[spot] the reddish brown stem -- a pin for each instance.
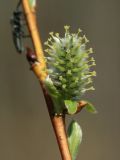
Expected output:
(58, 123)
(39, 70)
(59, 128)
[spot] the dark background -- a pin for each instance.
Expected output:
(25, 128)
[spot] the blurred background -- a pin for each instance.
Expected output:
(25, 129)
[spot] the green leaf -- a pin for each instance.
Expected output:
(71, 106)
(56, 98)
(90, 108)
(32, 3)
(51, 88)
(74, 133)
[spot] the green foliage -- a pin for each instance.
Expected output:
(56, 97)
(90, 108)
(71, 106)
(74, 138)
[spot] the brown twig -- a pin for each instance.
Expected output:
(39, 70)
(81, 105)
(58, 123)
(33, 29)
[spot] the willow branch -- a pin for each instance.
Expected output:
(34, 33)
(39, 70)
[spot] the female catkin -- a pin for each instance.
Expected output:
(70, 65)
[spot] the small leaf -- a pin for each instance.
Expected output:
(50, 87)
(74, 138)
(90, 108)
(32, 3)
(71, 106)
(56, 98)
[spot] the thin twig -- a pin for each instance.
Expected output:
(32, 26)
(58, 123)
(39, 70)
